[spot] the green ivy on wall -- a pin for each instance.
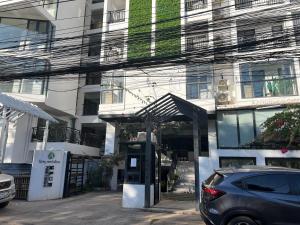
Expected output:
(168, 28)
(139, 29)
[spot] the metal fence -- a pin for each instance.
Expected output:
(116, 16)
(21, 174)
(244, 4)
(191, 5)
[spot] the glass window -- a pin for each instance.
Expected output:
(13, 33)
(268, 183)
(94, 46)
(262, 115)
(284, 162)
(227, 129)
(236, 162)
(246, 126)
(112, 88)
(91, 103)
(96, 19)
(268, 79)
(199, 82)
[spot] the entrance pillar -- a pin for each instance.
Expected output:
(197, 144)
(148, 164)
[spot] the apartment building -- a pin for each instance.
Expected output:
(239, 65)
(35, 37)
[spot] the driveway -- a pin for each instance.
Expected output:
(88, 209)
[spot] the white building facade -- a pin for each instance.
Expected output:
(240, 87)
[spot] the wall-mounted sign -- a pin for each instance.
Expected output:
(133, 162)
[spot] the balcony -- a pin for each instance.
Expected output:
(262, 42)
(64, 134)
(268, 79)
(269, 88)
(246, 4)
(112, 54)
(196, 43)
(116, 16)
(68, 135)
(191, 5)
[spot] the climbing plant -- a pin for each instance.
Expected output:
(168, 28)
(139, 29)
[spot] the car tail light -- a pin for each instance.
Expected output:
(212, 193)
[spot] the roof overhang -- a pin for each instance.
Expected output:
(16, 107)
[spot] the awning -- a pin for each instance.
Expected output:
(16, 107)
(169, 106)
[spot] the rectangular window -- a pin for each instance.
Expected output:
(25, 34)
(199, 82)
(246, 39)
(94, 46)
(268, 79)
(196, 36)
(237, 162)
(96, 19)
(91, 103)
(296, 22)
(284, 162)
(239, 129)
(112, 87)
(227, 129)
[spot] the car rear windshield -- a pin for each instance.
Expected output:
(214, 179)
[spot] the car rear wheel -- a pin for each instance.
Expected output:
(241, 220)
(3, 204)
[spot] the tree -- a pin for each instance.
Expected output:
(283, 126)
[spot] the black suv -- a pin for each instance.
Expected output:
(252, 196)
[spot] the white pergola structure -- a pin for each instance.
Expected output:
(11, 110)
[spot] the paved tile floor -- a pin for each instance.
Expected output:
(88, 209)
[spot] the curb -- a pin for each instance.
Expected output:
(173, 211)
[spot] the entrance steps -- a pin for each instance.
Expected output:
(186, 181)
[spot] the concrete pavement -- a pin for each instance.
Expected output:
(88, 209)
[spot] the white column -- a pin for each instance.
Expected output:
(45, 137)
(4, 134)
(111, 140)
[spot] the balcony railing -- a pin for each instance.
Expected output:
(92, 140)
(262, 42)
(269, 88)
(63, 134)
(245, 4)
(196, 43)
(116, 16)
(191, 5)
(114, 53)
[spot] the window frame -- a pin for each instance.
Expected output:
(110, 89)
(234, 158)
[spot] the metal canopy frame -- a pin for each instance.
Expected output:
(11, 110)
(161, 110)
(168, 106)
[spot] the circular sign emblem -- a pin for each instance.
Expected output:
(51, 155)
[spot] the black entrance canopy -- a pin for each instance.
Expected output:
(164, 109)
(170, 105)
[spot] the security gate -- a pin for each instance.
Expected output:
(74, 179)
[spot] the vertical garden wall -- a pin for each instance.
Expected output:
(168, 28)
(139, 29)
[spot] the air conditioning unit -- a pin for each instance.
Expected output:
(223, 98)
